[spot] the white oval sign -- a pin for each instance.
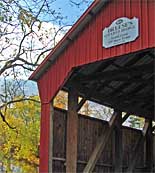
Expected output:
(122, 30)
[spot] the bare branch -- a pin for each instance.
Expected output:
(18, 100)
(4, 120)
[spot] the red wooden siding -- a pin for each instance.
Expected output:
(44, 138)
(87, 48)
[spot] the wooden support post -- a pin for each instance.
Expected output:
(102, 141)
(118, 145)
(72, 132)
(149, 148)
(137, 148)
(50, 164)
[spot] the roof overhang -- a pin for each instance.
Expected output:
(71, 35)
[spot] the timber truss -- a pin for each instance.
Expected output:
(125, 84)
(115, 127)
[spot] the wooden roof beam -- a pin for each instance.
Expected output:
(118, 104)
(128, 71)
(136, 57)
(125, 108)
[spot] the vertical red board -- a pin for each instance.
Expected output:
(144, 23)
(120, 12)
(136, 12)
(128, 15)
(78, 59)
(93, 39)
(106, 21)
(99, 35)
(112, 8)
(44, 138)
(87, 34)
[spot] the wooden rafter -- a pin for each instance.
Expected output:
(131, 79)
(120, 88)
(139, 69)
(132, 93)
(136, 57)
(95, 87)
(116, 102)
(121, 105)
(124, 107)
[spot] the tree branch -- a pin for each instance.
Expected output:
(18, 100)
(4, 120)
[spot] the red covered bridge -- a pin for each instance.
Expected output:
(107, 57)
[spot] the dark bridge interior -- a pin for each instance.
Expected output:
(124, 83)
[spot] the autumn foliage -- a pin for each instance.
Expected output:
(19, 147)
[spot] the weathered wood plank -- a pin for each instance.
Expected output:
(135, 154)
(137, 148)
(145, 128)
(89, 131)
(102, 141)
(149, 148)
(72, 131)
(118, 145)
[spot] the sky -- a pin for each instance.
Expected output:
(65, 7)
(70, 10)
